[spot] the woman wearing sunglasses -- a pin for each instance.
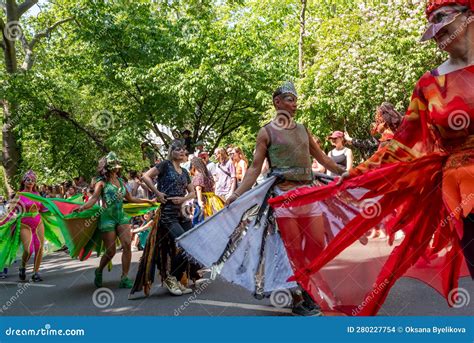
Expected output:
(173, 188)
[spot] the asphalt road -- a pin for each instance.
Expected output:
(68, 290)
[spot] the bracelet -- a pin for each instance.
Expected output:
(237, 194)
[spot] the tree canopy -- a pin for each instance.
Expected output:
(94, 76)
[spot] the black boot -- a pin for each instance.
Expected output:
(22, 274)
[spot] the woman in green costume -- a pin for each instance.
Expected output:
(113, 222)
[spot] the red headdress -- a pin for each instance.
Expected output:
(433, 5)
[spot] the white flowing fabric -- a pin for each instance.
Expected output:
(207, 242)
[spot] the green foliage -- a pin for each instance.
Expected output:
(124, 69)
(360, 58)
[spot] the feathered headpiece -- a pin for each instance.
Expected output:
(30, 175)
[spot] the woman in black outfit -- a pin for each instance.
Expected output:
(173, 188)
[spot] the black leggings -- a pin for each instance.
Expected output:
(467, 243)
(175, 224)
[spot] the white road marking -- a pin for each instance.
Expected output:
(21, 284)
(244, 306)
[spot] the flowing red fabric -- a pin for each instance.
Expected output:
(403, 191)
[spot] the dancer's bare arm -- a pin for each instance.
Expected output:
(93, 199)
(148, 180)
(131, 199)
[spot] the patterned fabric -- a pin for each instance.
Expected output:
(418, 187)
(204, 182)
(170, 181)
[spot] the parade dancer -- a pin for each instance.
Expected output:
(23, 223)
(173, 189)
(254, 256)
(421, 181)
(113, 222)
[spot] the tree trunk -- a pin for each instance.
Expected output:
(301, 39)
(10, 149)
(11, 32)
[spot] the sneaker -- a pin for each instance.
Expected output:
(184, 289)
(22, 274)
(301, 310)
(98, 278)
(36, 278)
(125, 282)
(172, 284)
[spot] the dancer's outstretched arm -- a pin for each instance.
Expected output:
(93, 199)
(131, 199)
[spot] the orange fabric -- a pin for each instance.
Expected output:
(420, 185)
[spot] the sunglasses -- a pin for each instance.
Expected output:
(447, 15)
(28, 179)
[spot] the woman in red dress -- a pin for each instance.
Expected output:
(421, 182)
